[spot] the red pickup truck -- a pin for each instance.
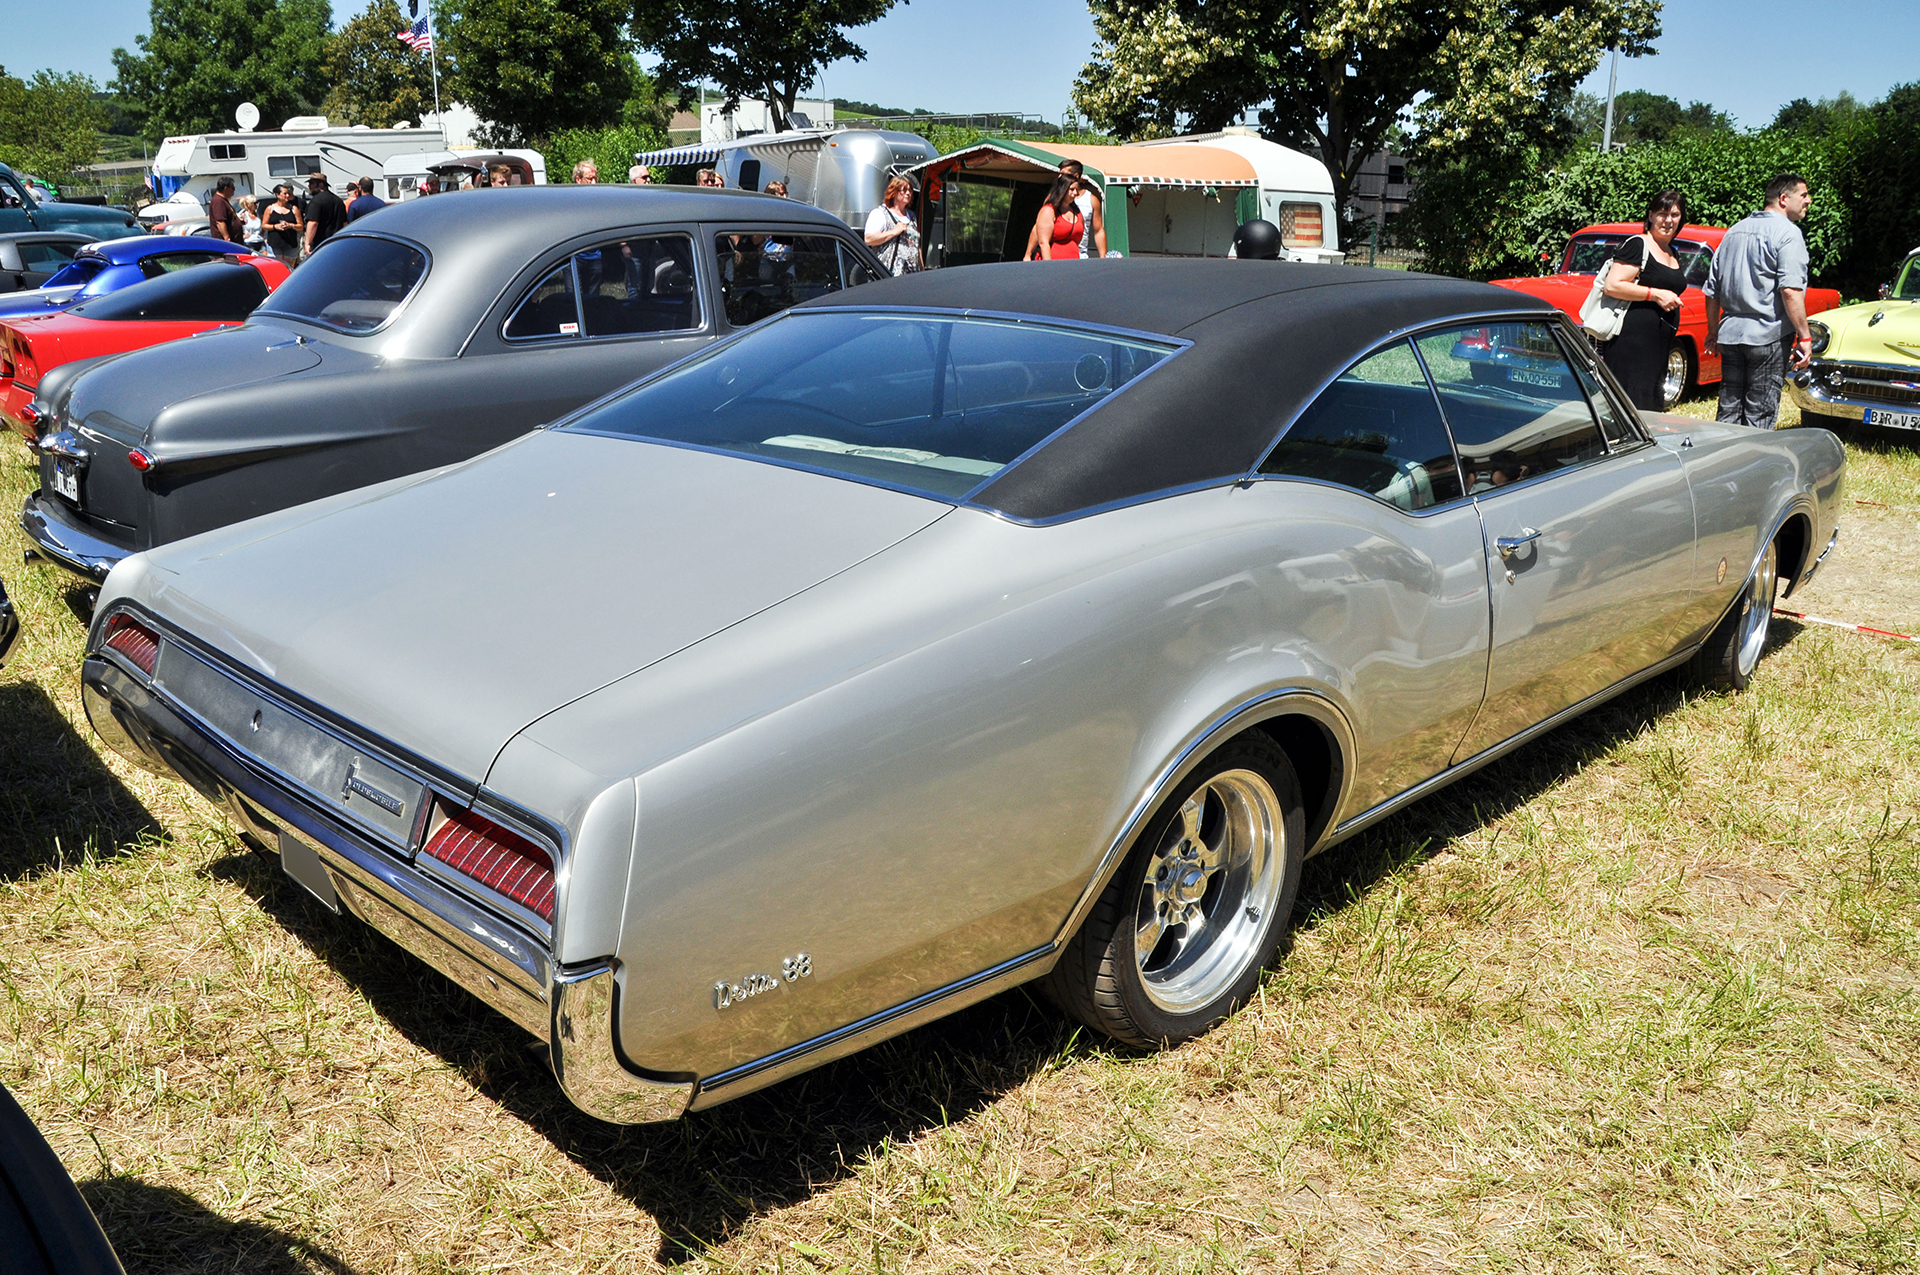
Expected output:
(1589, 250)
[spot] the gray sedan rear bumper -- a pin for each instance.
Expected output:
(61, 541)
(574, 1010)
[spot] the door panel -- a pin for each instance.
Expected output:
(1598, 596)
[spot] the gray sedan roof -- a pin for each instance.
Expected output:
(479, 241)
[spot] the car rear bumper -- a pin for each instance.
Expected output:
(65, 543)
(574, 1010)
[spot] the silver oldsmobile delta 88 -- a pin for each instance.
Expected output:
(972, 627)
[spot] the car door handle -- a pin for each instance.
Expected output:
(1512, 545)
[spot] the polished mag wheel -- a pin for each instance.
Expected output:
(1178, 938)
(1731, 653)
(1679, 373)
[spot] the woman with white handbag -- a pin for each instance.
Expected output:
(1634, 308)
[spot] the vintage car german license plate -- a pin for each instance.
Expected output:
(66, 480)
(1894, 420)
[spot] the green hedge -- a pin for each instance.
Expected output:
(611, 150)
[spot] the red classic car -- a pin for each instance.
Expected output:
(1592, 248)
(218, 294)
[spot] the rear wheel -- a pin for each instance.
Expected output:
(1177, 940)
(1679, 374)
(1732, 651)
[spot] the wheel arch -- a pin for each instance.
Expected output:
(1794, 536)
(1308, 726)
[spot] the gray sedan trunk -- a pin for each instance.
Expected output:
(392, 611)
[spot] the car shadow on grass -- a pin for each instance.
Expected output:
(704, 1177)
(59, 804)
(159, 1228)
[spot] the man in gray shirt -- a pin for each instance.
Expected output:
(1758, 286)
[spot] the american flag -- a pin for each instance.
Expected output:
(418, 38)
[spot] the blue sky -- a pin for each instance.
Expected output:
(1747, 57)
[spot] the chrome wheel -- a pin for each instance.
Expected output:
(1757, 613)
(1205, 900)
(1674, 384)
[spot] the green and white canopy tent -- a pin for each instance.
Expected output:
(1178, 197)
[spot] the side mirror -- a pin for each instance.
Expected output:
(1886, 290)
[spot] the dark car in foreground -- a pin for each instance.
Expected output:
(22, 209)
(46, 1227)
(424, 334)
(975, 627)
(9, 625)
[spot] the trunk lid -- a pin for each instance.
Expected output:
(448, 611)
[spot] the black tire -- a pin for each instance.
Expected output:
(1682, 372)
(1188, 986)
(1729, 657)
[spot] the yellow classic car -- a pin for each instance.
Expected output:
(1866, 360)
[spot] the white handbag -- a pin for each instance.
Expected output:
(1601, 315)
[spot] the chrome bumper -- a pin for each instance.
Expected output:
(574, 1010)
(75, 549)
(1819, 399)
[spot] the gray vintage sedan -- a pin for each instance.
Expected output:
(427, 333)
(980, 626)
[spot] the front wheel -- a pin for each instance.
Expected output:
(1731, 652)
(1179, 937)
(1679, 374)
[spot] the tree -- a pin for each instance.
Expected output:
(205, 57)
(49, 125)
(377, 80)
(1334, 76)
(1819, 118)
(1879, 185)
(766, 49)
(534, 67)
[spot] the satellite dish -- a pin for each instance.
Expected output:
(246, 115)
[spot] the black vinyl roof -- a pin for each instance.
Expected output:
(1267, 336)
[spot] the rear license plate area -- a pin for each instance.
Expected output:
(66, 479)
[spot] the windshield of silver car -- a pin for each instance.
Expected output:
(353, 283)
(934, 403)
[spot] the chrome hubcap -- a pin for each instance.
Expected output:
(1208, 892)
(1676, 379)
(1759, 612)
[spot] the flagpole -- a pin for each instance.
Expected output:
(433, 58)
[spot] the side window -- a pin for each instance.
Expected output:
(1613, 419)
(638, 285)
(11, 194)
(46, 256)
(167, 263)
(854, 270)
(292, 165)
(548, 310)
(1376, 430)
(764, 273)
(1514, 403)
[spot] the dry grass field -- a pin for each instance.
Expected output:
(1643, 997)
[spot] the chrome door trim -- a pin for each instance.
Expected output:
(1251, 713)
(1460, 770)
(736, 1081)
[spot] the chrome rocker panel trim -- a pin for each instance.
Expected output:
(503, 968)
(58, 541)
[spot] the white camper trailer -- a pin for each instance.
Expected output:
(186, 168)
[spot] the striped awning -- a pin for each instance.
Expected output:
(678, 155)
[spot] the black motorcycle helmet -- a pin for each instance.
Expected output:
(1257, 240)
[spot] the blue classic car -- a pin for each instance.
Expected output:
(111, 264)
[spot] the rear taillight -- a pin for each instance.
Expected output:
(503, 861)
(135, 641)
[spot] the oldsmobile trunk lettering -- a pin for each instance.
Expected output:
(792, 969)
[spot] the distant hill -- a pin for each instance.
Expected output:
(841, 106)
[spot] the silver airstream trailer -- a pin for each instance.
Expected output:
(840, 171)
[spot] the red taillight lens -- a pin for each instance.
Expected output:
(504, 862)
(140, 459)
(135, 641)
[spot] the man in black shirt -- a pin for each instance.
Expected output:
(222, 222)
(326, 215)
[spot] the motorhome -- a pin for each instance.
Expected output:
(1176, 197)
(186, 168)
(840, 171)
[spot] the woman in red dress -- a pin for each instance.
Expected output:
(1059, 226)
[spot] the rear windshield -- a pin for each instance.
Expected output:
(935, 403)
(1588, 253)
(352, 282)
(216, 292)
(75, 273)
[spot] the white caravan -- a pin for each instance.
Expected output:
(186, 168)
